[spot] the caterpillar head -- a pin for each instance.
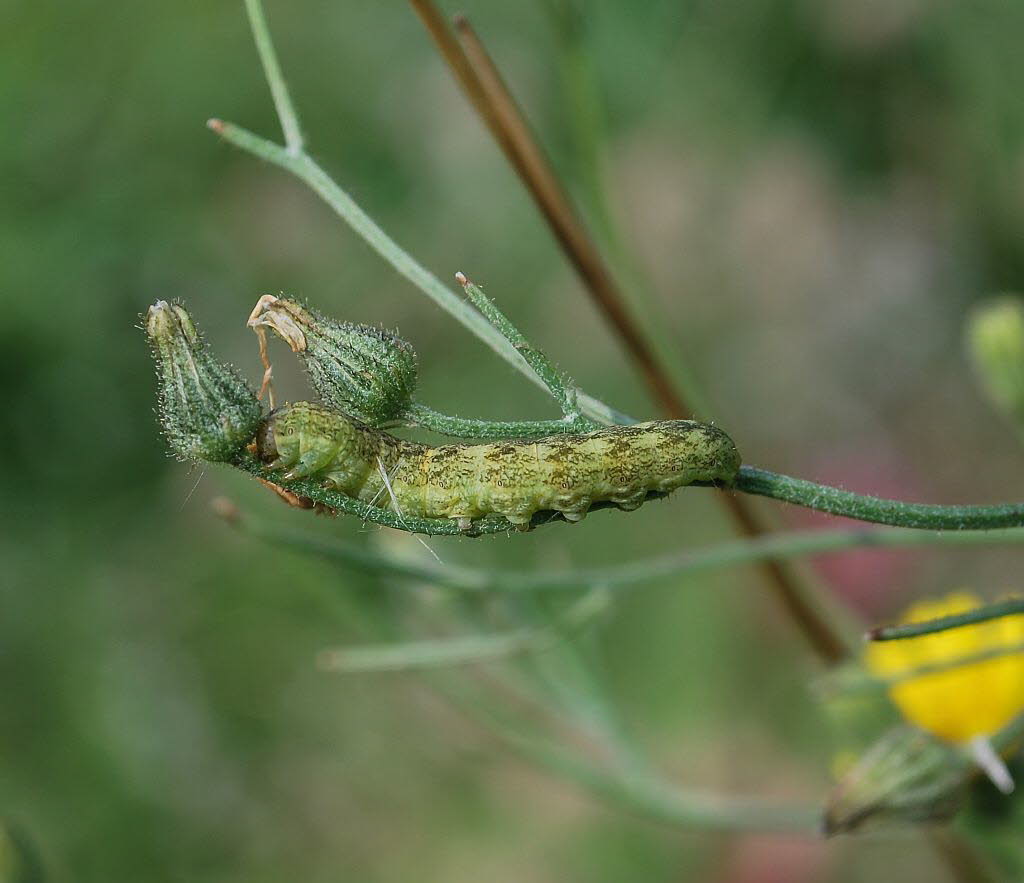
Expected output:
(207, 411)
(305, 438)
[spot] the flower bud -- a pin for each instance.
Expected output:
(906, 777)
(995, 336)
(362, 371)
(208, 412)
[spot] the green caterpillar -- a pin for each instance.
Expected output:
(622, 465)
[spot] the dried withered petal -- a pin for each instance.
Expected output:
(365, 372)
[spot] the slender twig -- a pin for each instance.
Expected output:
(562, 391)
(275, 79)
(1009, 607)
(439, 653)
(464, 649)
(874, 509)
(467, 427)
(797, 544)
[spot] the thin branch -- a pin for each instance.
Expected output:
(1009, 607)
(272, 70)
(464, 649)
(876, 510)
(797, 544)
(440, 653)
(467, 427)
(561, 390)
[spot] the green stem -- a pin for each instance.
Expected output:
(999, 609)
(875, 509)
(465, 649)
(561, 390)
(275, 79)
(467, 427)
(779, 546)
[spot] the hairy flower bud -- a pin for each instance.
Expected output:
(365, 372)
(908, 776)
(995, 336)
(208, 412)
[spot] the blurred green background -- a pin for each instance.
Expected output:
(814, 190)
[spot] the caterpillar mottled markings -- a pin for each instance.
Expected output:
(566, 473)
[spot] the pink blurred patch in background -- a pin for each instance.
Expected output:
(764, 859)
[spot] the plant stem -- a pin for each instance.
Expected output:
(874, 509)
(467, 427)
(464, 649)
(998, 610)
(561, 390)
(272, 71)
(797, 544)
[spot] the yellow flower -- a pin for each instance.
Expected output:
(962, 703)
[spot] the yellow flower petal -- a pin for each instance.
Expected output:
(963, 702)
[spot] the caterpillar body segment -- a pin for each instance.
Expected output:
(515, 478)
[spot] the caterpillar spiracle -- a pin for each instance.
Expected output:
(566, 473)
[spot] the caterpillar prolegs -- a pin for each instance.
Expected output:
(622, 465)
